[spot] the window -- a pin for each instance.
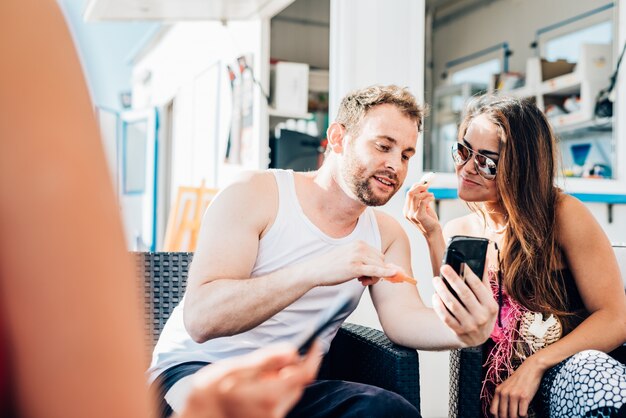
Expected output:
(479, 73)
(567, 46)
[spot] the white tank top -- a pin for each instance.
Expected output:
(291, 239)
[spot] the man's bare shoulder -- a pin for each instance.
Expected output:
(252, 178)
(386, 222)
(390, 229)
(249, 185)
(253, 194)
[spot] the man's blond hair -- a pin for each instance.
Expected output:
(356, 104)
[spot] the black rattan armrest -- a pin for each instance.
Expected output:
(365, 355)
(465, 382)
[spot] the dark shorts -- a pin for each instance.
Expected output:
(322, 398)
(168, 378)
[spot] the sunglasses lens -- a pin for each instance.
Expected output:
(486, 167)
(460, 153)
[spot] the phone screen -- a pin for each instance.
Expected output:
(471, 251)
(322, 323)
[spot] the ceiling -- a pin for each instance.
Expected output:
(175, 10)
(446, 11)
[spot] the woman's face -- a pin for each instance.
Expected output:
(481, 137)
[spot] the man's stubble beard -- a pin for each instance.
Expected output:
(354, 175)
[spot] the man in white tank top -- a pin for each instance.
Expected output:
(276, 247)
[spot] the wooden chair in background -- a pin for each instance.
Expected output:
(184, 221)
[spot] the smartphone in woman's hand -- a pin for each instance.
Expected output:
(466, 251)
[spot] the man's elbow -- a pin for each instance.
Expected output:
(198, 329)
(198, 334)
(394, 336)
(395, 339)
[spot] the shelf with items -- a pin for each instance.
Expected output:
(298, 115)
(578, 126)
(587, 144)
(566, 91)
(289, 88)
(298, 93)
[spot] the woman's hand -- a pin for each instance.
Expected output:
(513, 396)
(472, 311)
(418, 211)
(265, 383)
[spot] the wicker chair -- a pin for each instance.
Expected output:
(359, 354)
(466, 374)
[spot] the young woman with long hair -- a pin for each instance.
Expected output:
(562, 301)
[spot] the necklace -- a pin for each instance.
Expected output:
(496, 230)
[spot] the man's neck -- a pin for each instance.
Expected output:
(326, 196)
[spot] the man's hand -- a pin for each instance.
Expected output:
(265, 383)
(472, 316)
(354, 260)
(513, 396)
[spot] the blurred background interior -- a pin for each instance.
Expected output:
(188, 93)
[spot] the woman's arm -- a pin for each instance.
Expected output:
(590, 258)
(418, 211)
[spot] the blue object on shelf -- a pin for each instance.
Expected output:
(450, 193)
(600, 170)
(580, 153)
(600, 198)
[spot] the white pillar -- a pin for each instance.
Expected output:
(619, 107)
(382, 42)
(376, 42)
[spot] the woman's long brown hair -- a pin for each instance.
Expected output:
(525, 180)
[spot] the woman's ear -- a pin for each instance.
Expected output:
(336, 133)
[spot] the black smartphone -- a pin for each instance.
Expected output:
(322, 323)
(469, 250)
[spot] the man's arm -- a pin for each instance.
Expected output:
(402, 313)
(222, 299)
(405, 318)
